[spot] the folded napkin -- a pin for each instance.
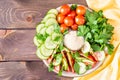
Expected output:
(110, 69)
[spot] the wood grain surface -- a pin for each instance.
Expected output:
(18, 19)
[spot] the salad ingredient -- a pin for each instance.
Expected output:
(73, 7)
(74, 27)
(72, 41)
(65, 64)
(80, 10)
(60, 18)
(49, 16)
(50, 30)
(58, 59)
(44, 51)
(68, 21)
(49, 44)
(80, 67)
(97, 31)
(100, 55)
(39, 54)
(52, 11)
(72, 14)
(63, 27)
(80, 20)
(39, 27)
(37, 41)
(86, 47)
(65, 9)
(51, 21)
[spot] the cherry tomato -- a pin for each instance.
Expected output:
(68, 21)
(60, 18)
(74, 27)
(80, 10)
(65, 9)
(63, 27)
(72, 14)
(80, 20)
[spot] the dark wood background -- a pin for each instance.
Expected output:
(18, 19)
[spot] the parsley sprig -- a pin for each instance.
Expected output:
(97, 31)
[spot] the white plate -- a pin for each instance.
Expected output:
(70, 74)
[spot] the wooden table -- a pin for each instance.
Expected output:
(18, 19)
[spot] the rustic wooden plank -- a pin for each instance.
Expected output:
(18, 45)
(27, 13)
(27, 71)
(15, 71)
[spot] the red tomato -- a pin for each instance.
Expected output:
(80, 10)
(80, 20)
(65, 9)
(68, 21)
(74, 27)
(60, 18)
(72, 14)
(63, 27)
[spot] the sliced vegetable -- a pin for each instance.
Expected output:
(53, 11)
(37, 41)
(39, 54)
(50, 30)
(58, 60)
(49, 16)
(45, 52)
(65, 64)
(50, 21)
(82, 68)
(49, 44)
(39, 27)
(100, 55)
(57, 38)
(86, 47)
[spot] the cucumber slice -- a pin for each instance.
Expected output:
(36, 41)
(43, 30)
(50, 30)
(82, 68)
(53, 11)
(49, 16)
(39, 54)
(49, 44)
(50, 21)
(58, 60)
(45, 52)
(39, 27)
(57, 38)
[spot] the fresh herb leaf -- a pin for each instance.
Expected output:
(82, 30)
(56, 28)
(73, 7)
(51, 67)
(65, 32)
(75, 55)
(88, 67)
(61, 47)
(60, 72)
(76, 67)
(96, 31)
(110, 48)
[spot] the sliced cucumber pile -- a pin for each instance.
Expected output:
(46, 38)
